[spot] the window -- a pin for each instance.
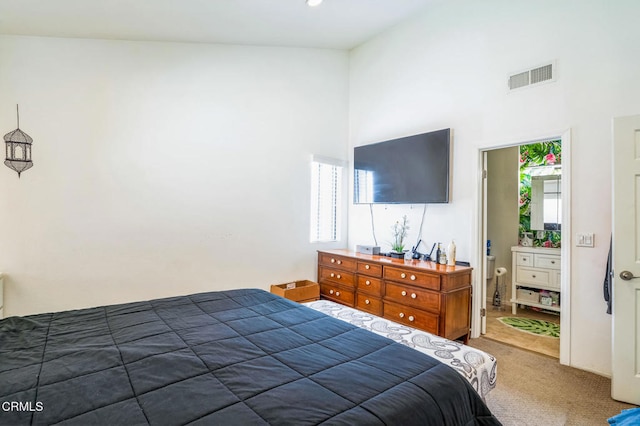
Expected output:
(326, 197)
(363, 186)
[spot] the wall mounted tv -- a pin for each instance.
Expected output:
(410, 170)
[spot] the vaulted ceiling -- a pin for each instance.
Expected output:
(335, 24)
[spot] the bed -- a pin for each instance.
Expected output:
(476, 366)
(231, 357)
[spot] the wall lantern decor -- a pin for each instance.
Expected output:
(18, 147)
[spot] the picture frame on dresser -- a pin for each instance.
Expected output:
(422, 294)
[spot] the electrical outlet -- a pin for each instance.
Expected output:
(585, 240)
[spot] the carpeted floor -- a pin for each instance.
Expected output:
(534, 389)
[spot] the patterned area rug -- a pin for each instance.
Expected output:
(533, 326)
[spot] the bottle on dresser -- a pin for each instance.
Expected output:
(451, 250)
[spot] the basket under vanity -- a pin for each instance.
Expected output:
(536, 279)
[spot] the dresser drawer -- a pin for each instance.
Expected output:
(339, 262)
(369, 304)
(524, 259)
(411, 317)
(416, 278)
(337, 276)
(371, 269)
(546, 261)
(338, 294)
(369, 285)
(533, 276)
(423, 299)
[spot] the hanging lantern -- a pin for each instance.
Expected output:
(18, 149)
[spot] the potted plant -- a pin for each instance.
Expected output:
(399, 230)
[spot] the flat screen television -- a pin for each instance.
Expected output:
(409, 170)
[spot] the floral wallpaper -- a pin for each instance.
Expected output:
(537, 154)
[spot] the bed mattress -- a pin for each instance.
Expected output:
(478, 367)
(235, 357)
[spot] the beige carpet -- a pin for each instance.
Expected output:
(534, 389)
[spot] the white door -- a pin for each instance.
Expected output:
(625, 383)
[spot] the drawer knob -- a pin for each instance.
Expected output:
(413, 277)
(337, 293)
(403, 275)
(330, 291)
(413, 295)
(404, 293)
(332, 275)
(411, 318)
(401, 315)
(367, 282)
(367, 302)
(533, 275)
(333, 260)
(553, 262)
(367, 267)
(524, 258)
(338, 276)
(339, 262)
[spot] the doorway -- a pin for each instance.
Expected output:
(501, 208)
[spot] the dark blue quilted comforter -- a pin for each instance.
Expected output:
(222, 358)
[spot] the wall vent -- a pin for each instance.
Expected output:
(534, 76)
(519, 80)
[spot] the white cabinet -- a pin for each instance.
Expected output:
(536, 278)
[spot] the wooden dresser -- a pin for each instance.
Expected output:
(425, 295)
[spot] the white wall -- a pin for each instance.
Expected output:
(161, 169)
(448, 68)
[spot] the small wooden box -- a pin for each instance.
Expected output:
(298, 291)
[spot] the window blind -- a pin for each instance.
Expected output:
(326, 184)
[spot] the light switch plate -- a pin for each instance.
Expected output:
(585, 239)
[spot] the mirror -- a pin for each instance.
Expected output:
(546, 202)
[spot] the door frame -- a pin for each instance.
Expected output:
(480, 255)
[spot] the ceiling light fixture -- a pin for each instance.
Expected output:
(313, 3)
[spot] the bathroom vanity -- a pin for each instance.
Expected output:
(536, 278)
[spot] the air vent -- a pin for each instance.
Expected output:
(534, 76)
(519, 80)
